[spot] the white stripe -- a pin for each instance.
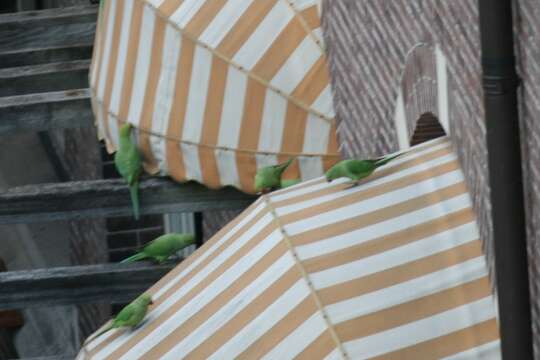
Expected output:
(192, 164)
(258, 327)
(228, 310)
(273, 121)
(489, 351)
(299, 339)
(310, 167)
(370, 205)
(165, 94)
(121, 59)
(421, 330)
(264, 160)
(97, 108)
(224, 21)
(226, 163)
(107, 52)
(113, 130)
(233, 108)
(229, 126)
(185, 12)
(297, 66)
(213, 290)
(142, 66)
(264, 36)
(383, 228)
(98, 45)
(317, 135)
(155, 3)
(411, 290)
(395, 257)
(198, 91)
(323, 103)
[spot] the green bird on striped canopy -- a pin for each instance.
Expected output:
(130, 316)
(162, 247)
(268, 178)
(356, 170)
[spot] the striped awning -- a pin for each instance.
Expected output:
(390, 269)
(216, 88)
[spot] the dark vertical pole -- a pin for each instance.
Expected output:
(198, 217)
(508, 213)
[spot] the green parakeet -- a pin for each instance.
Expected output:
(288, 182)
(356, 170)
(162, 247)
(130, 316)
(129, 164)
(269, 178)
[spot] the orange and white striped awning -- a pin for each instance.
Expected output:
(216, 88)
(390, 269)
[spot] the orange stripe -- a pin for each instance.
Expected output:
(313, 83)
(372, 192)
(392, 241)
(204, 16)
(447, 345)
(399, 315)
(280, 330)
(169, 7)
(377, 216)
(332, 148)
(244, 27)
(131, 59)
(400, 274)
(150, 164)
(281, 49)
(197, 289)
(311, 17)
(112, 65)
(175, 161)
(249, 133)
(294, 132)
(189, 325)
(385, 171)
(211, 122)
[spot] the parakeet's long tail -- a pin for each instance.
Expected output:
(386, 160)
(134, 191)
(107, 328)
(133, 258)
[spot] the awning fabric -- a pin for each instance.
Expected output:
(390, 269)
(216, 88)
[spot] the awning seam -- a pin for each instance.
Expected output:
(306, 277)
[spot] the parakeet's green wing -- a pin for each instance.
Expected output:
(129, 164)
(125, 316)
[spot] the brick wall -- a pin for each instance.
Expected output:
(376, 47)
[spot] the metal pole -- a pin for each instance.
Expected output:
(500, 84)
